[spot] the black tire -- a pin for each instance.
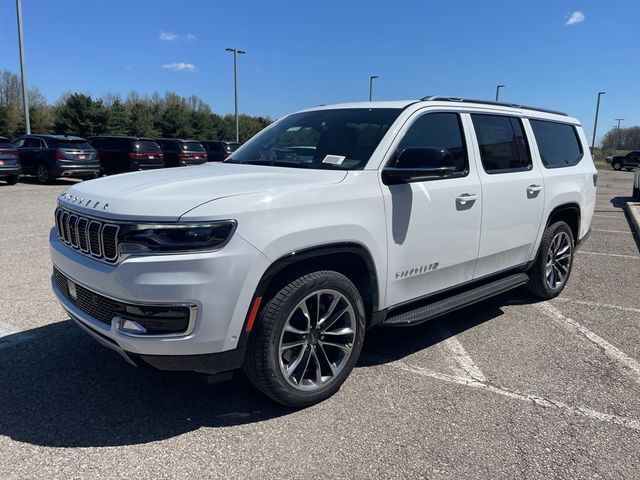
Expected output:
(264, 362)
(636, 193)
(539, 284)
(616, 165)
(12, 179)
(44, 174)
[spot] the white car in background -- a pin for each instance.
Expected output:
(279, 259)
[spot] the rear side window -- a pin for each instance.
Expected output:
(191, 147)
(72, 144)
(503, 146)
(558, 143)
(441, 131)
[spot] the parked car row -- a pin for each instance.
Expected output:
(52, 156)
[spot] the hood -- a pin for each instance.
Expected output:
(167, 194)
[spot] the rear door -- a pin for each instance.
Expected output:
(28, 150)
(512, 192)
(433, 226)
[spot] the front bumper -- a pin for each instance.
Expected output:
(219, 284)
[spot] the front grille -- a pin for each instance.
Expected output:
(94, 238)
(99, 307)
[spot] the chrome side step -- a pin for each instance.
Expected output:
(454, 302)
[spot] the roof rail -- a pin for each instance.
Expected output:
(438, 98)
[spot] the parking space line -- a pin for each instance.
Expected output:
(524, 397)
(608, 216)
(608, 254)
(463, 359)
(628, 232)
(597, 304)
(630, 365)
(11, 336)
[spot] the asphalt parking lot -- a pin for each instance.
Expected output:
(509, 388)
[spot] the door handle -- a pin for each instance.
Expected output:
(466, 197)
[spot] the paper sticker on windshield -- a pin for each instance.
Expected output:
(334, 159)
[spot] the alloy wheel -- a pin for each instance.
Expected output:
(42, 174)
(317, 340)
(558, 261)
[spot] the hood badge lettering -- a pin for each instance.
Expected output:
(67, 197)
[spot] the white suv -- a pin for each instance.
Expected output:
(331, 221)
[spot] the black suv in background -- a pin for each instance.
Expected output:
(9, 162)
(52, 156)
(127, 154)
(628, 161)
(219, 151)
(179, 152)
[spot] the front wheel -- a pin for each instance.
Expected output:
(552, 267)
(616, 165)
(307, 340)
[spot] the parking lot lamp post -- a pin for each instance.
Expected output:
(25, 100)
(236, 52)
(595, 124)
(371, 79)
(498, 87)
(618, 131)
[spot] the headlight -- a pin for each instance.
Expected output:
(175, 238)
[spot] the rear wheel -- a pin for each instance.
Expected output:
(12, 179)
(616, 165)
(552, 267)
(307, 340)
(44, 174)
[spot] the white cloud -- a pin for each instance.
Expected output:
(190, 37)
(181, 67)
(168, 36)
(576, 17)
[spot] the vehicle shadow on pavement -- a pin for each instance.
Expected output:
(388, 344)
(59, 388)
(58, 181)
(62, 389)
(621, 202)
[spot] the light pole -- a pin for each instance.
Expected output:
(618, 131)
(236, 52)
(498, 87)
(595, 124)
(371, 79)
(25, 100)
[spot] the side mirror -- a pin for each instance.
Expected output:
(419, 164)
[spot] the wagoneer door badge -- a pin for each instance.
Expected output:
(412, 272)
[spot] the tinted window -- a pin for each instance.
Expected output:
(19, 142)
(212, 147)
(557, 142)
(146, 146)
(191, 147)
(503, 146)
(74, 144)
(341, 138)
(32, 143)
(169, 145)
(441, 131)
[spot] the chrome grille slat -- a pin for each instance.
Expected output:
(87, 235)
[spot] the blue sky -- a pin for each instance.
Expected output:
(308, 53)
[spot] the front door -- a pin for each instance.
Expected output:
(512, 193)
(433, 226)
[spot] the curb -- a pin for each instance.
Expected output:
(633, 209)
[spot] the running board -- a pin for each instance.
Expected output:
(449, 304)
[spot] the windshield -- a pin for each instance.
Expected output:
(191, 147)
(335, 139)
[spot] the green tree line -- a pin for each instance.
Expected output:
(168, 115)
